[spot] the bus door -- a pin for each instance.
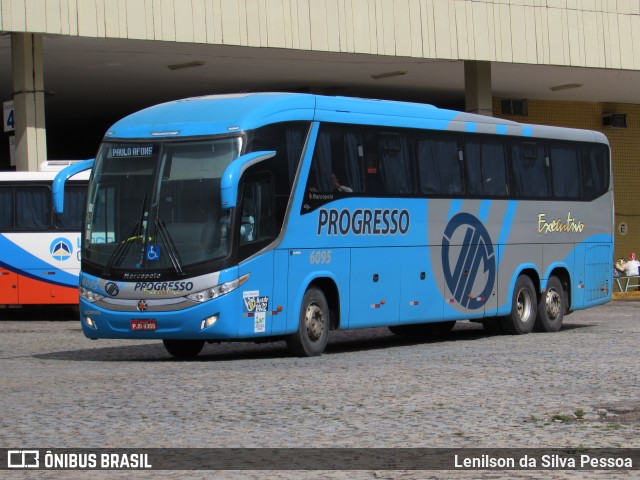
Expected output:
(256, 231)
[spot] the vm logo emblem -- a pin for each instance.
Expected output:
(112, 289)
(476, 252)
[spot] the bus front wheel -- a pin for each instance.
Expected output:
(313, 325)
(551, 307)
(523, 308)
(183, 348)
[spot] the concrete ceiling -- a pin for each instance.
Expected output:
(93, 79)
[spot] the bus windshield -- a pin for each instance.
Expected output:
(156, 205)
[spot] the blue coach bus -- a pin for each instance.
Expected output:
(284, 216)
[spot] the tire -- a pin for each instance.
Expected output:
(492, 326)
(523, 308)
(419, 329)
(183, 348)
(311, 337)
(551, 307)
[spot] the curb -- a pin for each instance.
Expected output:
(634, 295)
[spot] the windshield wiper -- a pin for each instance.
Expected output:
(133, 234)
(161, 229)
(123, 247)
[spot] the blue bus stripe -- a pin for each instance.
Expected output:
(483, 213)
(454, 208)
(507, 223)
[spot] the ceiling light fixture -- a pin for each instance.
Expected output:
(397, 73)
(567, 86)
(180, 66)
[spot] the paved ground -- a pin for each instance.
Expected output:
(575, 388)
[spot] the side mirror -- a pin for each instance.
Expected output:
(57, 188)
(232, 174)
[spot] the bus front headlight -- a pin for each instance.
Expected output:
(218, 290)
(89, 295)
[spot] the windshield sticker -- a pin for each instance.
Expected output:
(259, 322)
(363, 221)
(153, 253)
(559, 225)
(253, 302)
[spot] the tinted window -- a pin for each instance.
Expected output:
(396, 162)
(595, 170)
(486, 167)
(337, 161)
(71, 218)
(6, 208)
(288, 140)
(565, 170)
(528, 162)
(439, 165)
(33, 208)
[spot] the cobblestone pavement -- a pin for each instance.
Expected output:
(575, 388)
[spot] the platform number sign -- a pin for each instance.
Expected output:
(8, 119)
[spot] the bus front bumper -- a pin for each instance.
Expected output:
(218, 319)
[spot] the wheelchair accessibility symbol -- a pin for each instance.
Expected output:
(153, 253)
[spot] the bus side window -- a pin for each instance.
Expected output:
(74, 198)
(565, 171)
(6, 208)
(257, 220)
(486, 166)
(33, 208)
(337, 161)
(396, 162)
(439, 165)
(288, 141)
(595, 170)
(530, 171)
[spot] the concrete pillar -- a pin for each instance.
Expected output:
(477, 87)
(28, 100)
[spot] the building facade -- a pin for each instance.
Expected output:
(571, 62)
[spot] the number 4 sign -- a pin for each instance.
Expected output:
(7, 116)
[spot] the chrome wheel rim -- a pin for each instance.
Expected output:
(554, 304)
(524, 305)
(314, 321)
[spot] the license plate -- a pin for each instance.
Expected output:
(147, 325)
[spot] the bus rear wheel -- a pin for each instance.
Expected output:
(551, 307)
(311, 337)
(523, 308)
(183, 348)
